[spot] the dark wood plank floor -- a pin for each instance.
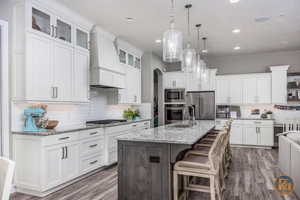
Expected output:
(252, 177)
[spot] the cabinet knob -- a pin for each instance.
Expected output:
(154, 159)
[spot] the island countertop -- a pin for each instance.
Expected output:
(171, 134)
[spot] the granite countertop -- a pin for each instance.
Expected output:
(171, 133)
(245, 118)
(79, 127)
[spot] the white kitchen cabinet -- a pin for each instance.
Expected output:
(175, 80)
(236, 134)
(222, 91)
(54, 166)
(279, 84)
(243, 89)
(252, 133)
(235, 90)
(45, 42)
(39, 73)
(249, 90)
(70, 165)
(81, 76)
(62, 71)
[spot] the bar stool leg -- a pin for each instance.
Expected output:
(175, 183)
(212, 188)
(185, 184)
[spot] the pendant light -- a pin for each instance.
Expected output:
(172, 41)
(198, 69)
(204, 72)
(189, 54)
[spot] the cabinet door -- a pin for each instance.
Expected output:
(236, 91)
(264, 90)
(80, 77)
(266, 136)
(63, 31)
(250, 135)
(41, 21)
(236, 135)
(249, 90)
(82, 38)
(63, 64)
(70, 165)
(222, 91)
(39, 64)
(180, 79)
(53, 166)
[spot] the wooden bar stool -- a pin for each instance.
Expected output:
(196, 165)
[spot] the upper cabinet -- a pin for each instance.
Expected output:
(175, 80)
(244, 89)
(130, 60)
(51, 53)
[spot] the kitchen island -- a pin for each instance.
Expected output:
(146, 159)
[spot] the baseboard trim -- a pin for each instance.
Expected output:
(55, 189)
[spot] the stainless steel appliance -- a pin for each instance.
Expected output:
(225, 111)
(203, 103)
(174, 113)
(175, 95)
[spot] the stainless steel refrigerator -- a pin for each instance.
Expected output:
(203, 103)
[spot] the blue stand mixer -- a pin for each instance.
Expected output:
(30, 123)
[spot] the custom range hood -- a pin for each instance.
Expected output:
(106, 71)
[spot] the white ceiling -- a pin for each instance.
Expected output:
(218, 18)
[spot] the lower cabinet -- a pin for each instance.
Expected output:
(252, 132)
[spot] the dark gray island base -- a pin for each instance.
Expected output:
(146, 159)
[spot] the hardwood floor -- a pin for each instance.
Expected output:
(252, 177)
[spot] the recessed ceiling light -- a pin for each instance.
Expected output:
(158, 41)
(234, 1)
(237, 48)
(129, 19)
(236, 31)
(204, 51)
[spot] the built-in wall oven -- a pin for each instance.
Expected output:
(173, 113)
(175, 95)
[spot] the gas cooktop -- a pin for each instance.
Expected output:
(106, 121)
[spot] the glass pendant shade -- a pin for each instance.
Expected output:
(188, 59)
(198, 69)
(172, 45)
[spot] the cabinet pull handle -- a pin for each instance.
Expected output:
(134, 125)
(93, 133)
(146, 123)
(64, 138)
(52, 31)
(55, 31)
(53, 92)
(66, 152)
(56, 92)
(93, 145)
(63, 153)
(94, 162)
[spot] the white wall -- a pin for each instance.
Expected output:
(255, 63)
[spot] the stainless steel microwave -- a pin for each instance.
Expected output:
(175, 95)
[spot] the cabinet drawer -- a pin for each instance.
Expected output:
(93, 146)
(61, 138)
(90, 163)
(116, 129)
(259, 122)
(91, 133)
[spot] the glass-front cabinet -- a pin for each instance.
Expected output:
(137, 63)
(41, 21)
(130, 60)
(63, 31)
(122, 56)
(82, 38)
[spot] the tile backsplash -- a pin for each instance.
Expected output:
(74, 114)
